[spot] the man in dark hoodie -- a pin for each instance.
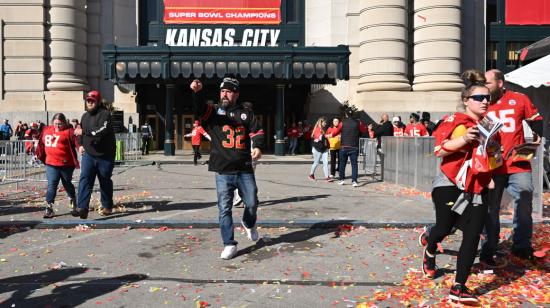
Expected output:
(97, 139)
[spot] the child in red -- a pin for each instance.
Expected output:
(57, 148)
(196, 136)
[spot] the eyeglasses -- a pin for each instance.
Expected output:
(480, 97)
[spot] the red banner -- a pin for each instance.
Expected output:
(527, 12)
(265, 12)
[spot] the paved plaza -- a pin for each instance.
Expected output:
(321, 243)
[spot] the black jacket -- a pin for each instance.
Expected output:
(232, 134)
(351, 131)
(98, 136)
(384, 129)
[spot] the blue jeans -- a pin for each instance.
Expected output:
(90, 167)
(225, 188)
(292, 145)
(520, 187)
(317, 156)
(54, 174)
(352, 153)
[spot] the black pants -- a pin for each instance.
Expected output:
(145, 145)
(470, 222)
(334, 161)
(197, 155)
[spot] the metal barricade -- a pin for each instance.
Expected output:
(128, 146)
(410, 161)
(18, 163)
(371, 158)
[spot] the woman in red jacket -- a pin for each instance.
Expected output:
(460, 198)
(57, 150)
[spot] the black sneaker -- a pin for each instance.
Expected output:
(48, 212)
(525, 253)
(488, 262)
(459, 293)
(428, 265)
(78, 212)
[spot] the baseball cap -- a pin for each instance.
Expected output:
(395, 119)
(93, 95)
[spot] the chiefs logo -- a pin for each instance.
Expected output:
(243, 116)
(512, 102)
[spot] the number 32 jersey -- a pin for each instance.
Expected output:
(512, 109)
(232, 132)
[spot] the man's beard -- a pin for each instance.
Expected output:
(224, 103)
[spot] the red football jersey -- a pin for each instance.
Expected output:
(416, 130)
(58, 147)
(398, 131)
(512, 109)
(197, 134)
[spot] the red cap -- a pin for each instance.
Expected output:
(93, 95)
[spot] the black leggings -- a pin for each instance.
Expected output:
(470, 222)
(333, 161)
(197, 153)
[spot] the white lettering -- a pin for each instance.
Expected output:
(274, 36)
(171, 36)
(229, 37)
(206, 34)
(247, 34)
(195, 37)
(217, 38)
(182, 38)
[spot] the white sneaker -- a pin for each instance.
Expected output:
(251, 233)
(229, 252)
(237, 199)
(354, 184)
(341, 182)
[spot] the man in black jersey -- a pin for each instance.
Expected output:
(232, 128)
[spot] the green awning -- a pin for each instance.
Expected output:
(163, 64)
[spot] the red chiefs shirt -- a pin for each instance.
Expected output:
(197, 134)
(398, 131)
(293, 132)
(59, 147)
(416, 130)
(512, 108)
(451, 164)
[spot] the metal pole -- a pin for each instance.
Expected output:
(280, 120)
(169, 146)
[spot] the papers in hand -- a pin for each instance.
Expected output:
(488, 128)
(523, 152)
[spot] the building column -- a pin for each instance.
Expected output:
(67, 46)
(280, 120)
(437, 47)
(383, 46)
(94, 65)
(169, 145)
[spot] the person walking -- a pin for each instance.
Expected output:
(57, 150)
(350, 130)
(196, 137)
(146, 137)
(5, 130)
(97, 140)
(460, 198)
(512, 108)
(334, 146)
(232, 129)
(320, 148)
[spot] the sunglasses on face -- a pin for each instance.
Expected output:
(480, 97)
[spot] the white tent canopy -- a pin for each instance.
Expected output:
(534, 74)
